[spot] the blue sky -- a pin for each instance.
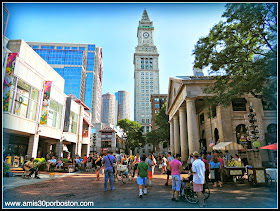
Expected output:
(113, 26)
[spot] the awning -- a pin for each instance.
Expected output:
(270, 146)
(91, 125)
(227, 146)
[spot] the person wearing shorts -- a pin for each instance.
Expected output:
(176, 169)
(98, 163)
(198, 169)
(163, 163)
(143, 171)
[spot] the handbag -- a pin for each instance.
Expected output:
(111, 165)
(160, 166)
(212, 174)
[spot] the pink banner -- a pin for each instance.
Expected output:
(46, 102)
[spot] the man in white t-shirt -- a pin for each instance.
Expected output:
(198, 169)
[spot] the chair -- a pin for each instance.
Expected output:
(16, 161)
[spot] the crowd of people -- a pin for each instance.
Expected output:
(204, 168)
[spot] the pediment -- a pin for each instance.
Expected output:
(173, 88)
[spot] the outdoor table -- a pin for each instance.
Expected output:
(272, 173)
(256, 175)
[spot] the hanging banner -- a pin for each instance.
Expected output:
(8, 80)
(46, 102)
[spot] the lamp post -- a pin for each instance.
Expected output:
(253, 127)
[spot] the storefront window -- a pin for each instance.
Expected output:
(21, 100)
(33, 103)
(54, 115)
(73, 122)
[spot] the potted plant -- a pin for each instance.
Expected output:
(40, 163)
(6, 170)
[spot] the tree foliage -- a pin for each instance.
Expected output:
(133, 131)
(245, 47)
(162, 133)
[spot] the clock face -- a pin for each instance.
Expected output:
(146, 34)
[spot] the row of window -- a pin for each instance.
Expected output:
(238, 104)
(151, 82)
(157, 99)
(143, 94)
(147, 86)
(147, 78)
(147, 90)
(58, 47)
(147, 121)
(146, 73)
(24, 103)
(59, 53)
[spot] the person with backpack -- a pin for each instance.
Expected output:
(109, 163)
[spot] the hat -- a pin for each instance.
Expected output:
(195, 153)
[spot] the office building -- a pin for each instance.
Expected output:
(123, 105)
(81, 67)
(146, 72)
(108, 108)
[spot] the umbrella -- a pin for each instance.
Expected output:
(227, 146)
(270, 146)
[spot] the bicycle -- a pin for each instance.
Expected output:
(122, 175)
(188, 194)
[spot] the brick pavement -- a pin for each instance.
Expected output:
(83, 187)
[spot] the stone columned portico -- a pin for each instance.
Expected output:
(182, 111)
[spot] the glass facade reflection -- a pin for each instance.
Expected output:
(75, 63)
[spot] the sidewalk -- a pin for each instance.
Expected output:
(17, 180)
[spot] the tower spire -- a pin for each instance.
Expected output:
(145, 16)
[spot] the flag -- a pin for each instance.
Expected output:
(211, 143)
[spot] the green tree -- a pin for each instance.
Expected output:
(133, 131)
(162, 133)
(245, 47)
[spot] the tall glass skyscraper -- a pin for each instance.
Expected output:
(123, 105)
(108, 108)
(76, 64)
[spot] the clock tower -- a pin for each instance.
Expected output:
(146, 72)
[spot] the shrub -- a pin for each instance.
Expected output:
(64, 160)
(6, 168)
(40, 163)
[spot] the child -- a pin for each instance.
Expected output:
(59, 164)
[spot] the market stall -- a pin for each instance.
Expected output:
(256, 175)
(232, 169)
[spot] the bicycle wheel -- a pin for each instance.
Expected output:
(252, 180)
(206, 192)
(124, 178)
(190, 196)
